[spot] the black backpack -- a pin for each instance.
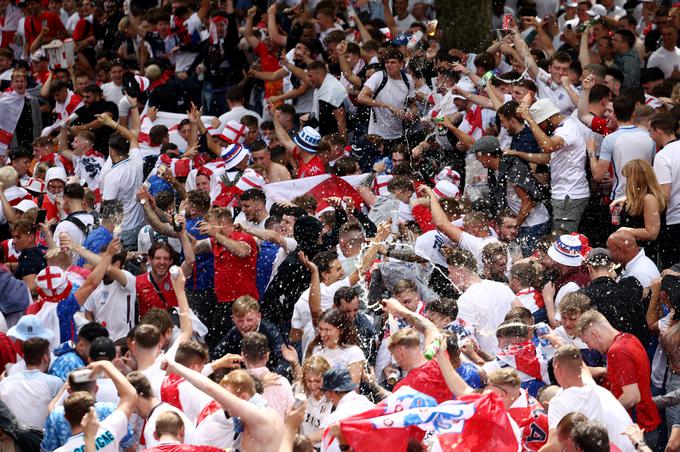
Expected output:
(85, 229)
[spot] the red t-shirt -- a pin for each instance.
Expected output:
(312, 168)
(235, 276)
(83, 30)
(183, 448)
(533, 421)
(627, 363)
(429, 380)
(270, 63)
(33, 25)
(148, 297)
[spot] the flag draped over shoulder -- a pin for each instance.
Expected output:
(471, 423)
(11, 105)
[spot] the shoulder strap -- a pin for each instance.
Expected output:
(404, 77)
(158, 290)
(77, 221)
(382, 85)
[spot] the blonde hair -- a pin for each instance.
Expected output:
(408, 337)
(314, 364)
(240, 381)
(504, 377)
(8, 176)
(640, 182)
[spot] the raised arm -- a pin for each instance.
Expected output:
(92, 281)
(546, 143)
(272, 28)
(583, 104)
(419, 322)
(126, 392)
(584, 48)
(186, 330)
(107, 121)
(523, 49)
(456, 384)
(314, 288)
(248, 29)
(253, 416)
(439, 217)
(282, 134)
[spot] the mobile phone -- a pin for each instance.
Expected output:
(42, 215)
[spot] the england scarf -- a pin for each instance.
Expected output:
(11, 106)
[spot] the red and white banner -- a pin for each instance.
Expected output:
(471, 423)
(11, 105)
(320, 187)
(171, 121)
(524, 358)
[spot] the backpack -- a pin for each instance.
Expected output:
(537, 190)
(383, 83)
(85, 229)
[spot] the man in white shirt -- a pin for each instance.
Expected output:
(235, 101)
(29, 392)
(253, 209)
(114, 427)
(180, 393)
(122, 178)
(339, 389)
(327, 277)
(625, 251)
(402, 16)
(79, 222)
(667, 57)
(565, 150)
(667, 170)
(113, 90)
(627, 143)
(113, 302)
(387, 99)
(549, 83)
(584, 396)
(484, 303)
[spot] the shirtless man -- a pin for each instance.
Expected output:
(275, 171)
(263, 427)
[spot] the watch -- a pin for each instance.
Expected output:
(142, 201)
(640, 444)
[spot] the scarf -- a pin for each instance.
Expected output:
(11, 105)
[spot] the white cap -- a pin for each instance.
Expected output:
(597, 10)
(56, 172)
(25, 205)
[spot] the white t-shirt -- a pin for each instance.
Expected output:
(111, 431)
(483, 307)
(538, 215)
(568, 165)
(113, 305)
(597, 404)
(235, 114)
(395, 92)
(641, 268)
(73, 231)
(302, 316)
(112, 92)
(316, 412)
(665, 60)
(559, 96)
(150, 427)
(350, 404)
(620, 147)
(121, 182)
(28, 394)
(667, 170)
(340, 357)
(475, 245)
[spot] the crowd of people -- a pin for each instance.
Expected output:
(242, 225)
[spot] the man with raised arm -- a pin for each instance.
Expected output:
(262, 427)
